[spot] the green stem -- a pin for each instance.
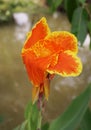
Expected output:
(40, 106)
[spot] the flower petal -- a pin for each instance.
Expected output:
(61, 41)
(40, 50)
(35, 93)
(46, 87)
(36, 67)
(68, 64)
(40, 31)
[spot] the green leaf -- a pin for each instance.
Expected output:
(54, 4)
(70, 7)
(57, 3)
(79, 24)
(1, 118)
(23, 126)
(28, 110)
(71, 118)
(86, 121)
(17, 128)
(89, 27)
(31, 110)
(31, 118)
(45, 126)
(89, 30)
(82, 1)
(31, 115)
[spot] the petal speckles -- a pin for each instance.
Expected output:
(47, 53)
(61, 41)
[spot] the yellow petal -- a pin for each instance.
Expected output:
(35, 93)
(46, 88)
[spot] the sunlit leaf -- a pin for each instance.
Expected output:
(86, 121)
(23, 126)
(34, 118)
(31, 115)
(82, 1)
(28, 109)
(71, 118)
(79, 24)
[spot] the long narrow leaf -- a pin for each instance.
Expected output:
(71, 118)
(70, 8)
(79, 24)
(31, 115)
(86, 121)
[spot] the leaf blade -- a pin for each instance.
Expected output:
(71, 117)
(82, 1)
(70, 8)
(86, 121)
(54, 4)
(79, 24)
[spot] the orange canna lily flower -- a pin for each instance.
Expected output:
(46, 53)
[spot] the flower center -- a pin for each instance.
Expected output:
(40, 50)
